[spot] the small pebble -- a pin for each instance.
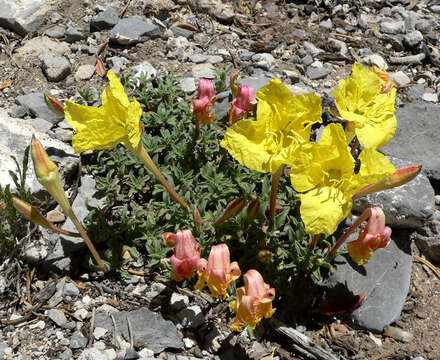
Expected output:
(397, 334)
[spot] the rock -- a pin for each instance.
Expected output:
(104, 20)
(84, 72)
(55, 67)
(178, 301)
(255, 82)
(133, 30)
(144, 68)
(392, 27)
(385, 279)
(340, 45)
(191, 317)
(55, 32)
(55, 216)
(81, 314)
(2, 285)
(315, 73)
(413, 38)
(400, 78)
(42, 45)
(179, 31)
(396, 41)
(36, 104)
(35, 252)
(157, 336)
(99, 333)
(57, 316)
(77, 341)
(307, 60)
(205, 71)
(18, 111)
(406, 206)
(23, 16)
(117, 63)
(245, 54)
(326, 24)
(431, 97)
(427, 238)
(264, 60)
(131, 354)
(72, 35)
(417, 128)
(312, 49)
(375, 60)
(93, 354)
(41, 125)
(66, 355)
(70, 289)
(188, 85)
(223, 14)
(15, 136)
(363, 21)
(407, 60)
(416, 92)
(397, 334)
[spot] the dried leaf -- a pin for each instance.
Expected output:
(5, 84)
(186, 27)
(100, 67)
(340, 305)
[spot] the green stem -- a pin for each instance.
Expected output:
(273, 195)
(143, 156)
(197, 131)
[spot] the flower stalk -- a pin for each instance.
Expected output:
(273, 195)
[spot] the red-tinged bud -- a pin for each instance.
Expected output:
(265, 256)
(169, 239)
(54, 104)
(233, 209)
(400, 177)
(197, 218)
(242, 104)
(204, 102)
(252, 212)
(233, 82)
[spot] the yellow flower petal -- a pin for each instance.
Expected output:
(323, 209)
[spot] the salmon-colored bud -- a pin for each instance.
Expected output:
(400, 177)
(44, 167)
(385, 81)
(265, 256)
(254, 301)
(232, 209)
(204, 102)
(54, 104)
(197, 218)
(218, 272)
(169, 239)
(373, 236)
(242, 104)
(252, 211)
(233, 83)
(186, 255)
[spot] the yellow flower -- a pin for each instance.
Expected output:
(369, 110)
(116, 120)
(325, 174)
(283, 122)
(254, 301)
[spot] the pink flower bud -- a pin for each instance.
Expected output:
(204, 102)
(242, 104)
(54, 104)
(252, 212)
(169, 239)
(186, 255)
(254, 301)
(217, 272)
(373, 236)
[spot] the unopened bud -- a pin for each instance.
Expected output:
(252, 212)
(265, 256)
(233, 82)
(54, 104)
(197, 218)
(400, 177)
(169, 239)
(232, 209)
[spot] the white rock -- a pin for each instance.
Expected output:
(99, 333)
(110, 353)
(84, 72)
(376, 60)
(178, 301)
(430, 97)
(189, 343)
(38, 325)
(400, 78)
(87, 300)
(81, 314)
(145, 353)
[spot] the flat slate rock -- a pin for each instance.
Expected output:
(149, 329)
(385, 279)
(406, 206)
(133, 30)
(23, 16)
(37, 106)
(417, 137)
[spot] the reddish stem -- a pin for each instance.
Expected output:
(273, 195)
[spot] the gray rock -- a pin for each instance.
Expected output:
(363, 21)
(255, 82)
(77, 341)
(245, 54)
(315, 73)
(34, 252)
(431, 97)
(416, 91)
(406, 206)
(55, 67)
(36, 104)
(157, 336)
(418, 130)
(204, 70)
(264, 60)
(178, 31)
(131, 354)
(19, 111)
(300, 34)
(312, 49)
(2, 288)
(340, 45)
(326, 24)
(392, 27)
(188, 85)
(64, 135)
(410, 21)
(198, 58)
(424, 26)
(70, 289)
(144, 68)
(41, 125)
(222, 14)
(133, 30)
(84, 72)
(104, 20)
(400, 78)
(66, 355)
(214, 59)
(307, 60)
(23, 16)
(41, 45)
(427, 238)
(385, 279)
(55, 32)
(117, 63)
(15, 136)
(413, 38)
(191, 317)
(57, 316)
(407, 60)
(72, 35)
(396, 41)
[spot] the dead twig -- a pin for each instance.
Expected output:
(434, 269)
(92, 325)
